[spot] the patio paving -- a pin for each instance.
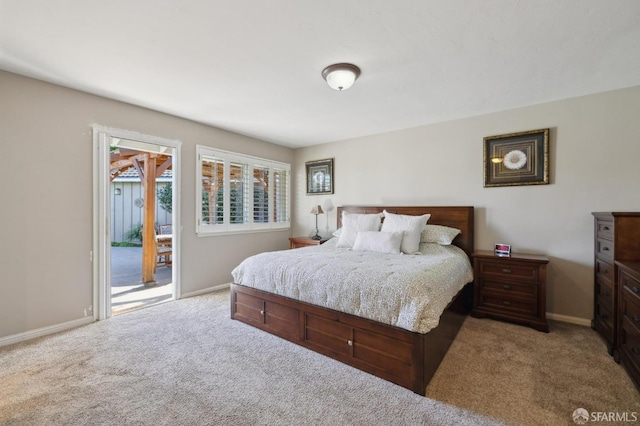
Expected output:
(127, 291)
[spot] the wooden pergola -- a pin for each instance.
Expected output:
(150, 166)
(213, 179)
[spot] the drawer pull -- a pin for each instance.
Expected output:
(636, 318)
(350, 342)
(635, 289)
(605, 294)
(506, 287)
(506, 303)
(635, 350)
(606, 271)
(605, 228)
(506, 271)
(605, 248)
(262, 313)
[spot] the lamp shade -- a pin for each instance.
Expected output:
(341, 76)
(316, 210)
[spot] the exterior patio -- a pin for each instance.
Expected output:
(127, 290)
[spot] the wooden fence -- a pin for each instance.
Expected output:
(126, 213)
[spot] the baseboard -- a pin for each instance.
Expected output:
(570, 320)
(32, 334)
(206, 290)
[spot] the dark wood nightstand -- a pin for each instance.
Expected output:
(511, 288)
(298, 242)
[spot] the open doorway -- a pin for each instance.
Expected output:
(136, 214)
(138, 280)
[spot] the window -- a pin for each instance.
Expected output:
(240, 193)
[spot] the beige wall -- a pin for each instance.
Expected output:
(46, 190)
(46, 200)
(595, 154)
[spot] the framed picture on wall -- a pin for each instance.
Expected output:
(319, 177)
(517, 159)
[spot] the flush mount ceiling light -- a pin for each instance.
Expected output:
(340, 76)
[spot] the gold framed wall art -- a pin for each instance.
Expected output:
(517, 159)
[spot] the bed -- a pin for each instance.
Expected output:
(405, 352)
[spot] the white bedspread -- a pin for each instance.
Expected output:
(407, 291)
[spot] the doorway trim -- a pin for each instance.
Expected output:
(101, 253)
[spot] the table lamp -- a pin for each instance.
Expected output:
(316, 210)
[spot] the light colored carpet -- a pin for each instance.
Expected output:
(187, 363)
(525, 377)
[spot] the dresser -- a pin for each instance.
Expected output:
(616, 238)
(511, 288)
(628, 349)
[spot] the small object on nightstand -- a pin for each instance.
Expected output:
(502, 250)
(298, 242)
(511, 288)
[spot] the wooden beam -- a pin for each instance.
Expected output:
(149, 254)
(122, 164)
(141, 171)
(164, 166)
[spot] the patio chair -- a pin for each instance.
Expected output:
(165, 229)
(164, 242)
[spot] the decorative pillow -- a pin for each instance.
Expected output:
(442, 235)
(380, 242)
(354, 223)
(410, 226)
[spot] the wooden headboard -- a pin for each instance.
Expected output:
(460, 217)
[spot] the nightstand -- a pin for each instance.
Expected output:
(298, 242)
(511, 288)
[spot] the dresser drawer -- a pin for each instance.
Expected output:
(529, 291)
(630, 347)
(604, 293)
(604, 229)
(630, 310)
(604, 249)
(493, 300)
(604, 270)
(629, 283)
(527, 273)
(604, 321)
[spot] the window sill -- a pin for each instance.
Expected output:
(240, 232)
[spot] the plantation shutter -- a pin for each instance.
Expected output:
(260, 194)
(280, 196)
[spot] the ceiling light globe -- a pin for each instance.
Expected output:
(341, 79)
(341, 76)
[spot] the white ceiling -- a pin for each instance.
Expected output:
(253, 66)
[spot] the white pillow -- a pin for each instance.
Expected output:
(380, 242)
(354, 223)
(442, 235)
(410, 226)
